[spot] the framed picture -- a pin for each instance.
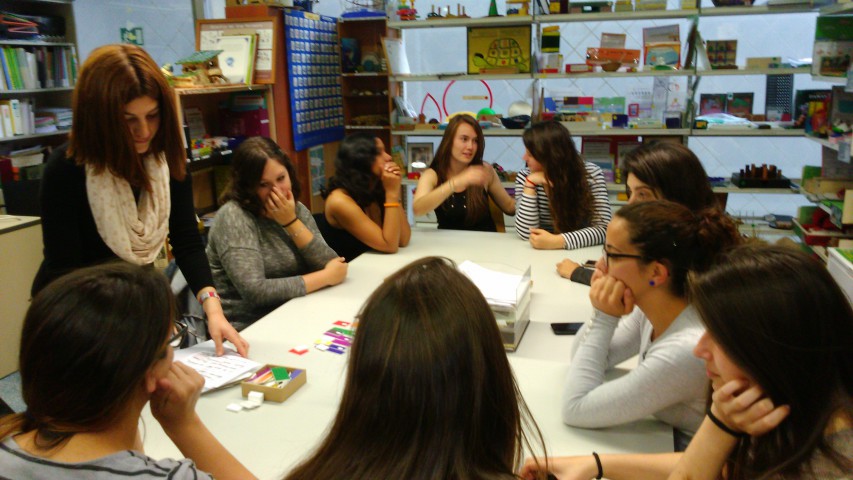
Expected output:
(419, 156)
(499, 50)
(712, 103)
(739, 104)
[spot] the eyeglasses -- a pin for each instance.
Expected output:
(182, 328)
(607, 256)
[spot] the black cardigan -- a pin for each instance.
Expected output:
(71, 238)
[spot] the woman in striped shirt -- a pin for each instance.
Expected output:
(561, 200)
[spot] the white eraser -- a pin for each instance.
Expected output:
(256, 397)
(234, 407)
(249, 405)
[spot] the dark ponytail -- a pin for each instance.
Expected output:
(684, 241)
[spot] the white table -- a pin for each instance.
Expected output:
(273, 438)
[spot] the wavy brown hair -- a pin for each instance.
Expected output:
(683, 240)
(477, 205)
(112, 77)
(429, 393)
(674, 171)
(247, 168)
(781, 318)
(569, 194)
(87, 341)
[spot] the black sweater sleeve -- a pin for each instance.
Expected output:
(185, 238)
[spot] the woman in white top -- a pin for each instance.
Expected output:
(561, 200)
(650, 249)
(777, 353)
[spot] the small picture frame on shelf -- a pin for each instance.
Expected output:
(712, 103)
(740, 104)
(419, 156)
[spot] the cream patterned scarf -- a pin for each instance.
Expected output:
(134, 232)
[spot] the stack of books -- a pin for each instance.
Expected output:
(61, 116)
(508, 295)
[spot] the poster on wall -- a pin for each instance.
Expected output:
(499, 50)
(313, 73)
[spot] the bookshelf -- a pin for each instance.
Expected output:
(43, 76)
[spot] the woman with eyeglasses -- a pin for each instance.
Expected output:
(777, 353)
(85, 389)
(641, 307)
(656, 171)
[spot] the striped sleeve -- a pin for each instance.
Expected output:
(526, 207)
(595, 233)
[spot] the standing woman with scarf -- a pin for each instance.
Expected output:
(120, 185)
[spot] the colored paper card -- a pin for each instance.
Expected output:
(344, 331)
(280, 373)
(342, 323)
(299, 350)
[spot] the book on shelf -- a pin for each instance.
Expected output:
(30, 68)
(237, 59)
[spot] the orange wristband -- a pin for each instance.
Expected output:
(392, 204)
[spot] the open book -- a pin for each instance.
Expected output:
(218, 372)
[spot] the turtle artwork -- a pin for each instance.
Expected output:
(503, 53)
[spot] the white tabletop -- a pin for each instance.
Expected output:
(273, 438)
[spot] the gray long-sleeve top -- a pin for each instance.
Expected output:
(256, 265)
(668, 382)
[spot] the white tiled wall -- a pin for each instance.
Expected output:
(168, 26)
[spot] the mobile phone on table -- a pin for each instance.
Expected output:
(570, 328)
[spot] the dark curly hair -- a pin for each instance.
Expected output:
(247, 167)
(569, 194)
(353, 171)
(683, 240)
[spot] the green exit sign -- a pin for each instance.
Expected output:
(132, 36)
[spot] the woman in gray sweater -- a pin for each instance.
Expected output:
(264, 247)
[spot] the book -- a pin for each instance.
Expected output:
(6, 119)
(218, 372)
(237, 57)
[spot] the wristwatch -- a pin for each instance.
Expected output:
(209, 294)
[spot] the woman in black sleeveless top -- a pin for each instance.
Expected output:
(458, 184)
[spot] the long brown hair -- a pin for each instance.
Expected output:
(247, 168)
(112, 77)
(569, 194)
(429, 392)
(477, 204)
(684, 241)
(87, 341)
(673, 170)
(781, 318)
